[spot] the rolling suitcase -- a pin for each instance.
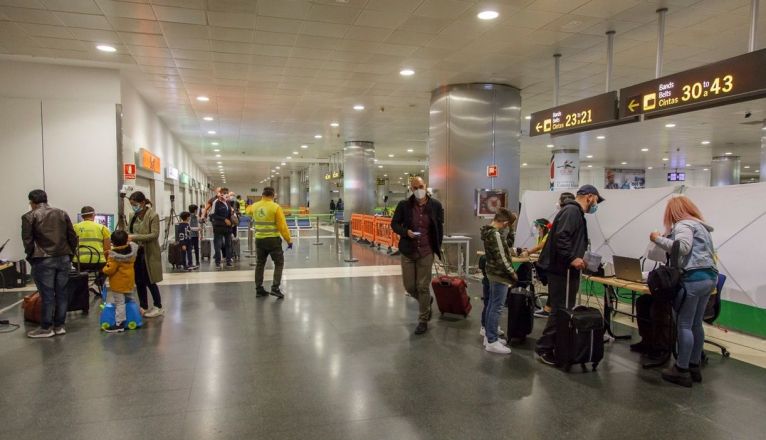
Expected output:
(78, 292)
(451, 295)
(521, 307)
(579, 336)
(235, 248)
(176, 255)
(206, 246)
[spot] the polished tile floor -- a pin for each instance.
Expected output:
(337, 360)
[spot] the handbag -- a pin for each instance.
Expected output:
(665, 281)
(33, 307)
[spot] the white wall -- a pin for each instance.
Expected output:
(534, 179)
(58, 134)
(142, 128)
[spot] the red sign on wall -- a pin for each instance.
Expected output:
(492, 171)
(129, 171)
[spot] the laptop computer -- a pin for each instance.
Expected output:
(629, 269)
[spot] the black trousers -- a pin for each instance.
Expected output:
(265, 247)
(143, 283)
(557, 295)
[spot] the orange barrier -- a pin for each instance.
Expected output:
(383, 233)
(356, 225)
(368, 228)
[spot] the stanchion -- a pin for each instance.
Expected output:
(317, 242)
(337, 237)
(250, 241)
(351, 258)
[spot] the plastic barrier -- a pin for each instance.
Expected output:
(383, 233)
(356, 225)
(375, 229)
(368, 228)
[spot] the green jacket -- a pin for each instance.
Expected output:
(147, 235)
(498, 254)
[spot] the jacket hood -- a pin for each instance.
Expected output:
(486, 231)
(692, 222)
(124, 258)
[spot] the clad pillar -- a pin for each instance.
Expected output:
(472, 126)
(725, 170)
(358, 178)
(319, 189)
(381, 192)
(565, 170)
(284, 190)
(302, 191)
(295, 185)
(762, 170)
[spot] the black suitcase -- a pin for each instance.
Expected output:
(176, 254)
(206, 248)
(235, 248)
(521, 307)
(579, 336)
(78, 293)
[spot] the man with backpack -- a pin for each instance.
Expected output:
(561, 260)
(220, 217)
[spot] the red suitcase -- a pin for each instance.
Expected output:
(451, 295)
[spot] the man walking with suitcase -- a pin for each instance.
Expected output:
(49, 242)
(419, 221)
(561, 260)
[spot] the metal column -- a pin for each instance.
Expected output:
(725, 170)
(295, 185)
(319, 188)
(358, 178)
(609, 59)
(660, 40)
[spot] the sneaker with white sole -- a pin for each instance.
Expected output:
(40, 333)
(502, 341)
(58, 331)
(155, 312)
(500, 331)
(482, 332)
(497, 347)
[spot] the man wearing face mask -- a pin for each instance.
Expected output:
(419, 221)
(562, 260)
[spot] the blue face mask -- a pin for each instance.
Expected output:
(593, 208)
(136, 208)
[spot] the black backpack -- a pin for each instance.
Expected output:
(665, 281)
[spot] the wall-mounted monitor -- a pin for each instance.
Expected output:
(103, 219)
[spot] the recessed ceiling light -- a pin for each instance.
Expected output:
(410, 150)
(590, 166)
(644, 150)
(217, 155)
(278, 168)
(385, 175)
(524, 164)
(590, 156)
(334, 124)
(317, 136)
(211, 132)
(295, 153)
(406, 72)
(288, 157)
(488, 15)
(705, 169)
(671, 125)
(550, 145)
(650, 168)
(215, 144)
(380, 166)
(202, 98)
(747, 167)
(757, 171)
(106, 48)
(208, 118)
(422, 171)
(359, 107)
(688, 164)
(665, 159)
(601, 137)
(284, 163)
(219, 163)
(705, 142)
(277, 173)
(390, 155)
(527, 117)
(623, 163)
(728, 153)
(216, 150)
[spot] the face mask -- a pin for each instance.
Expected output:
(136, 208)
(593, 208)
(420, 194)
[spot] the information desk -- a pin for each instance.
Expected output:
(611, 285)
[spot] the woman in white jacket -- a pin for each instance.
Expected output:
(684, 223)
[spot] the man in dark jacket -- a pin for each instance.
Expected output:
(220, 217)
(419, 221)
(49, 242)
(561, 260)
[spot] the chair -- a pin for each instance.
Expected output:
(712, 311)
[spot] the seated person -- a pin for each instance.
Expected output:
(95, 241)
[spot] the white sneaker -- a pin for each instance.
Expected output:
(500, 331)
(497, 347)
(482, 332)
(155, 312)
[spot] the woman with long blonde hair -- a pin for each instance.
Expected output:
(684, 223)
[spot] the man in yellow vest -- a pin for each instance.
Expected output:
(269, 222)
(95, 239)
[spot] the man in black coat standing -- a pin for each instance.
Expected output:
(561, 261)
(419, 221)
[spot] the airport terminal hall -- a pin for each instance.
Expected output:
(382, 219)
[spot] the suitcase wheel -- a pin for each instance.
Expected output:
(132, 325)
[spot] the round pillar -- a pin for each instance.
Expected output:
(472, 126)
(565, 170)
(295, 185)
(319, 189)
(358, 178)
(284, 190)
(274, 183)
(725, 170)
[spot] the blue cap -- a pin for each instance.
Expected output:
(586, 190)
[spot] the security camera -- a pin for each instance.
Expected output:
(748, 114)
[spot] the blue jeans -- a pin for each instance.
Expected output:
(497, 294)
(691, 336)
(485, 300)
(222, 244)
(51, 275)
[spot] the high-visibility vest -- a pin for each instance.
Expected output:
(265, 219)
(242, 206)
(91, 234)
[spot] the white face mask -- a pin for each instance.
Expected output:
(420, 194)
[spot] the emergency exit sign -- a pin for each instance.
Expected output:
(129, 171)
(492, 171)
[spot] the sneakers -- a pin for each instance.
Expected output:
(695, 373)
(497, 347)
(261, 292)
(546, 358)
(218, 266)
(229, 264)
(116, 328)
(421, 328)
(542, 313)
(155, 312)
(678, 377)
(58, 331)
(502, 341)
(500, 331)
(278, 293)
(41, 333)
(483, 332)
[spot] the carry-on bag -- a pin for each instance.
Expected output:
(235, 248)
(451, 294)
(206, 246)
(579, 335)
(78, 292)
(176, 255)
(33, 307)
(521, 308)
